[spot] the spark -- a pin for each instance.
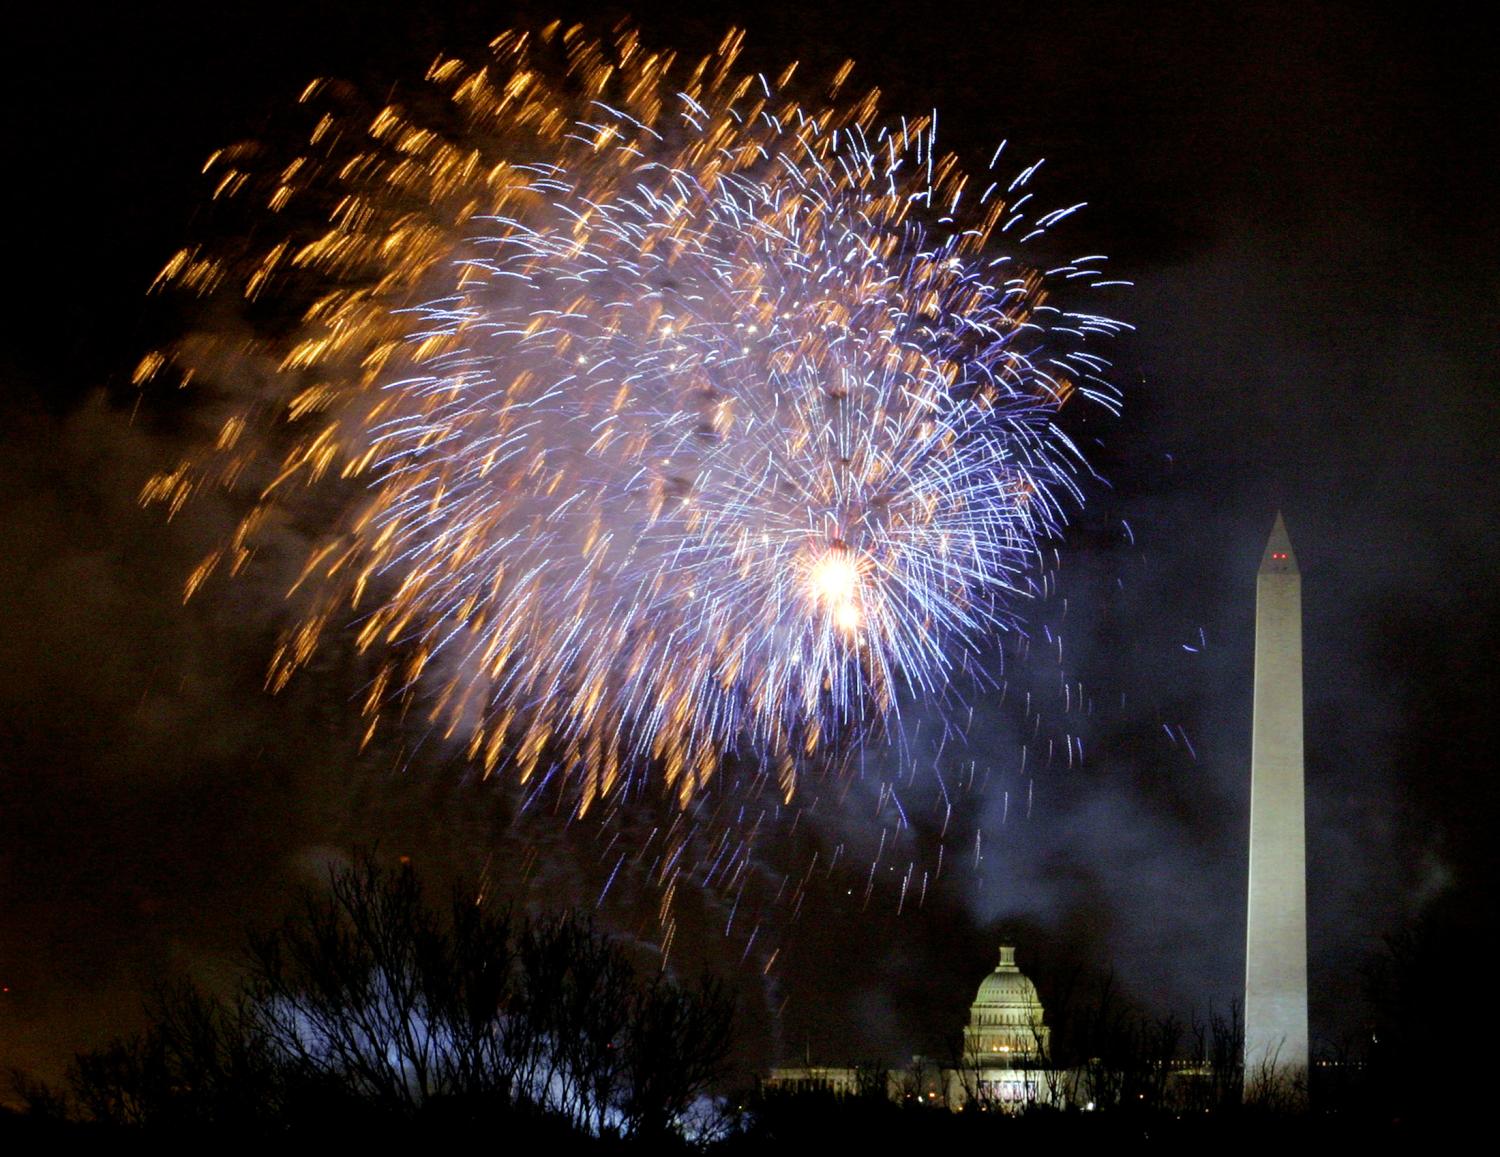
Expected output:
(638, 415)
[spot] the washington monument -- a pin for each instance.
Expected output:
(1276, 930)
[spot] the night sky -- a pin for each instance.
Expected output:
(1304, 197)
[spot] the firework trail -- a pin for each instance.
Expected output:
(650, 416)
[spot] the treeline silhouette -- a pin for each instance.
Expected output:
(371, 1012)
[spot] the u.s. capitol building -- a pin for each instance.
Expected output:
(1004, 1060)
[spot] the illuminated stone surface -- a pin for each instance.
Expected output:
(1276, 928)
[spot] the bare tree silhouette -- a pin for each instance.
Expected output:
(370, 1002)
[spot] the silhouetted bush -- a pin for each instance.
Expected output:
(370, 1011)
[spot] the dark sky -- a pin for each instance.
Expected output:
(1304, 196)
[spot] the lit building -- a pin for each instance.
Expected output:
(1006, 1048)
(1006, 1043)
(1005, 1020)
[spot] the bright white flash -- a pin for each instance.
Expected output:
(834, 581)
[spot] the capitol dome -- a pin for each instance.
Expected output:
(1005, 1020)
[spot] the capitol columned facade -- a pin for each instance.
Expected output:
(1003, 1061)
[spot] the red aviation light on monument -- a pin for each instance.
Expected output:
(1279, 557)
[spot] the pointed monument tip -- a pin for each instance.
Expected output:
(1279, 557)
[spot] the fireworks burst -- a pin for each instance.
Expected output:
(665, 417)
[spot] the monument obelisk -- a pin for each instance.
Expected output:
(1276, 928)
